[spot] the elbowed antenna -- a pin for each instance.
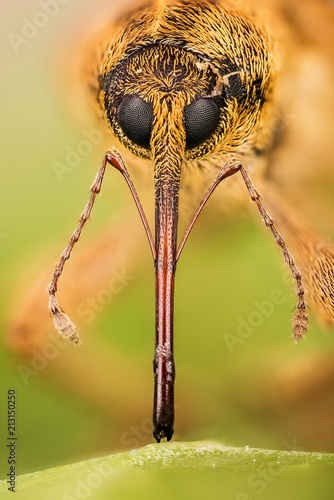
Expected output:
(300, 322)
(62, 322)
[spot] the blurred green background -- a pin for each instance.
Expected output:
(260, 390)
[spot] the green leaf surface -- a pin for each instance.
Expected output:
(184, 469)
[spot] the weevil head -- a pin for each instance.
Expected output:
(158, 77)
(214, 63)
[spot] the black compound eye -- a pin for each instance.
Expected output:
(201, 119)
(135, 117)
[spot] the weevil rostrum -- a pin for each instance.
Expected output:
(194, 85)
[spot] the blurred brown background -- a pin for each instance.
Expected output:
(239, 377)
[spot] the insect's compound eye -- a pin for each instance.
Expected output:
(201, 118)
(135, 117)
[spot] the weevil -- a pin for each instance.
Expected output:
(184, 85)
